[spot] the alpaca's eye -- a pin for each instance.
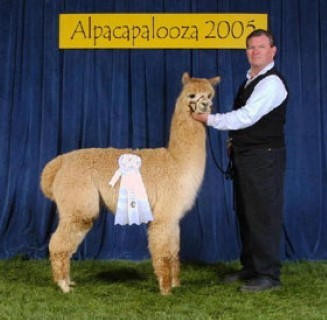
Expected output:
(191, 96)
(209, 96)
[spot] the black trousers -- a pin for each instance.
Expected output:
(259, 195)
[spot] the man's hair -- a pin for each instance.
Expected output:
(261, 32)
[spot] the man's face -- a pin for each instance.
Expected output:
(259, 52)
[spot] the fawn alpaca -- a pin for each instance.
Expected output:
(172, 176)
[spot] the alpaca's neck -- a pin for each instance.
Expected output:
(187, 146)
(187, 138)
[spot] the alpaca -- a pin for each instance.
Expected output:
(78, 182)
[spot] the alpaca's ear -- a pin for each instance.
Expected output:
(185, 78)
(214, 80)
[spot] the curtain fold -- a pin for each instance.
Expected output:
(54, 101)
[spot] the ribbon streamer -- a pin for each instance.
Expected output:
(133, 205)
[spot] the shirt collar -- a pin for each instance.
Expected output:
(263, 71)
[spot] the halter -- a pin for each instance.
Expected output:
(198, 106)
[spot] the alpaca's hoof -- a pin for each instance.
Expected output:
(175, 283)
(64, 286)
(165, 286)
(72, 284)
(165, 292)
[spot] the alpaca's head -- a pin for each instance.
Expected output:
(198, 93)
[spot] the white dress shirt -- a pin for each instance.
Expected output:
(268, 94)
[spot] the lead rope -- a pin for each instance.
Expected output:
(228, 173)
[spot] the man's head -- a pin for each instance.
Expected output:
(260, 49)
(261, 32)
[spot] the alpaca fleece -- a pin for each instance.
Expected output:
(78, 182)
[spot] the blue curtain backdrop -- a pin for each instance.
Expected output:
(53, 101)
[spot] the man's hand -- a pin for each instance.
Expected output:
(202, 117)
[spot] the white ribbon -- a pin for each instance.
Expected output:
(133, 205)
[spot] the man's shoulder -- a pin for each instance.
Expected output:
(274, 74)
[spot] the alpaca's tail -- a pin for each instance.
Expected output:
(48, 175)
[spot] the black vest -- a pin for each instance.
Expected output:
(268, 132)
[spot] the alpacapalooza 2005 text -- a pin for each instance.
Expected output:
(154, 31)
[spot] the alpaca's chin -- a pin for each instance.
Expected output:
(202, 110)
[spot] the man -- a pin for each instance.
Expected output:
(256, 128)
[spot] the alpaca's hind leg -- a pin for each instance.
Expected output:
(164, 248)
(63, 244)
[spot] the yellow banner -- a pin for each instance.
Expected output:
(157, 30)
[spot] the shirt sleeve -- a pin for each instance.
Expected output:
(268, 94)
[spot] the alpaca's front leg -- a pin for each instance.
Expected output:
(162, 270)
(164, 248)
(175, 270)
(175, 247)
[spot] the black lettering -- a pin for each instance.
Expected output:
(220, 29)
(136, 30)
(185, 32)
(250, 24)
(107, 33)
(175, 30)
(195, 33)
(114, 34)
(145, 32)
(97, 33)
(210, 34)
(165, 32)
(126, 33)
(240, 31)
(79, 30)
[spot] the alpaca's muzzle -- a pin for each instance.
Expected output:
(201, 105)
